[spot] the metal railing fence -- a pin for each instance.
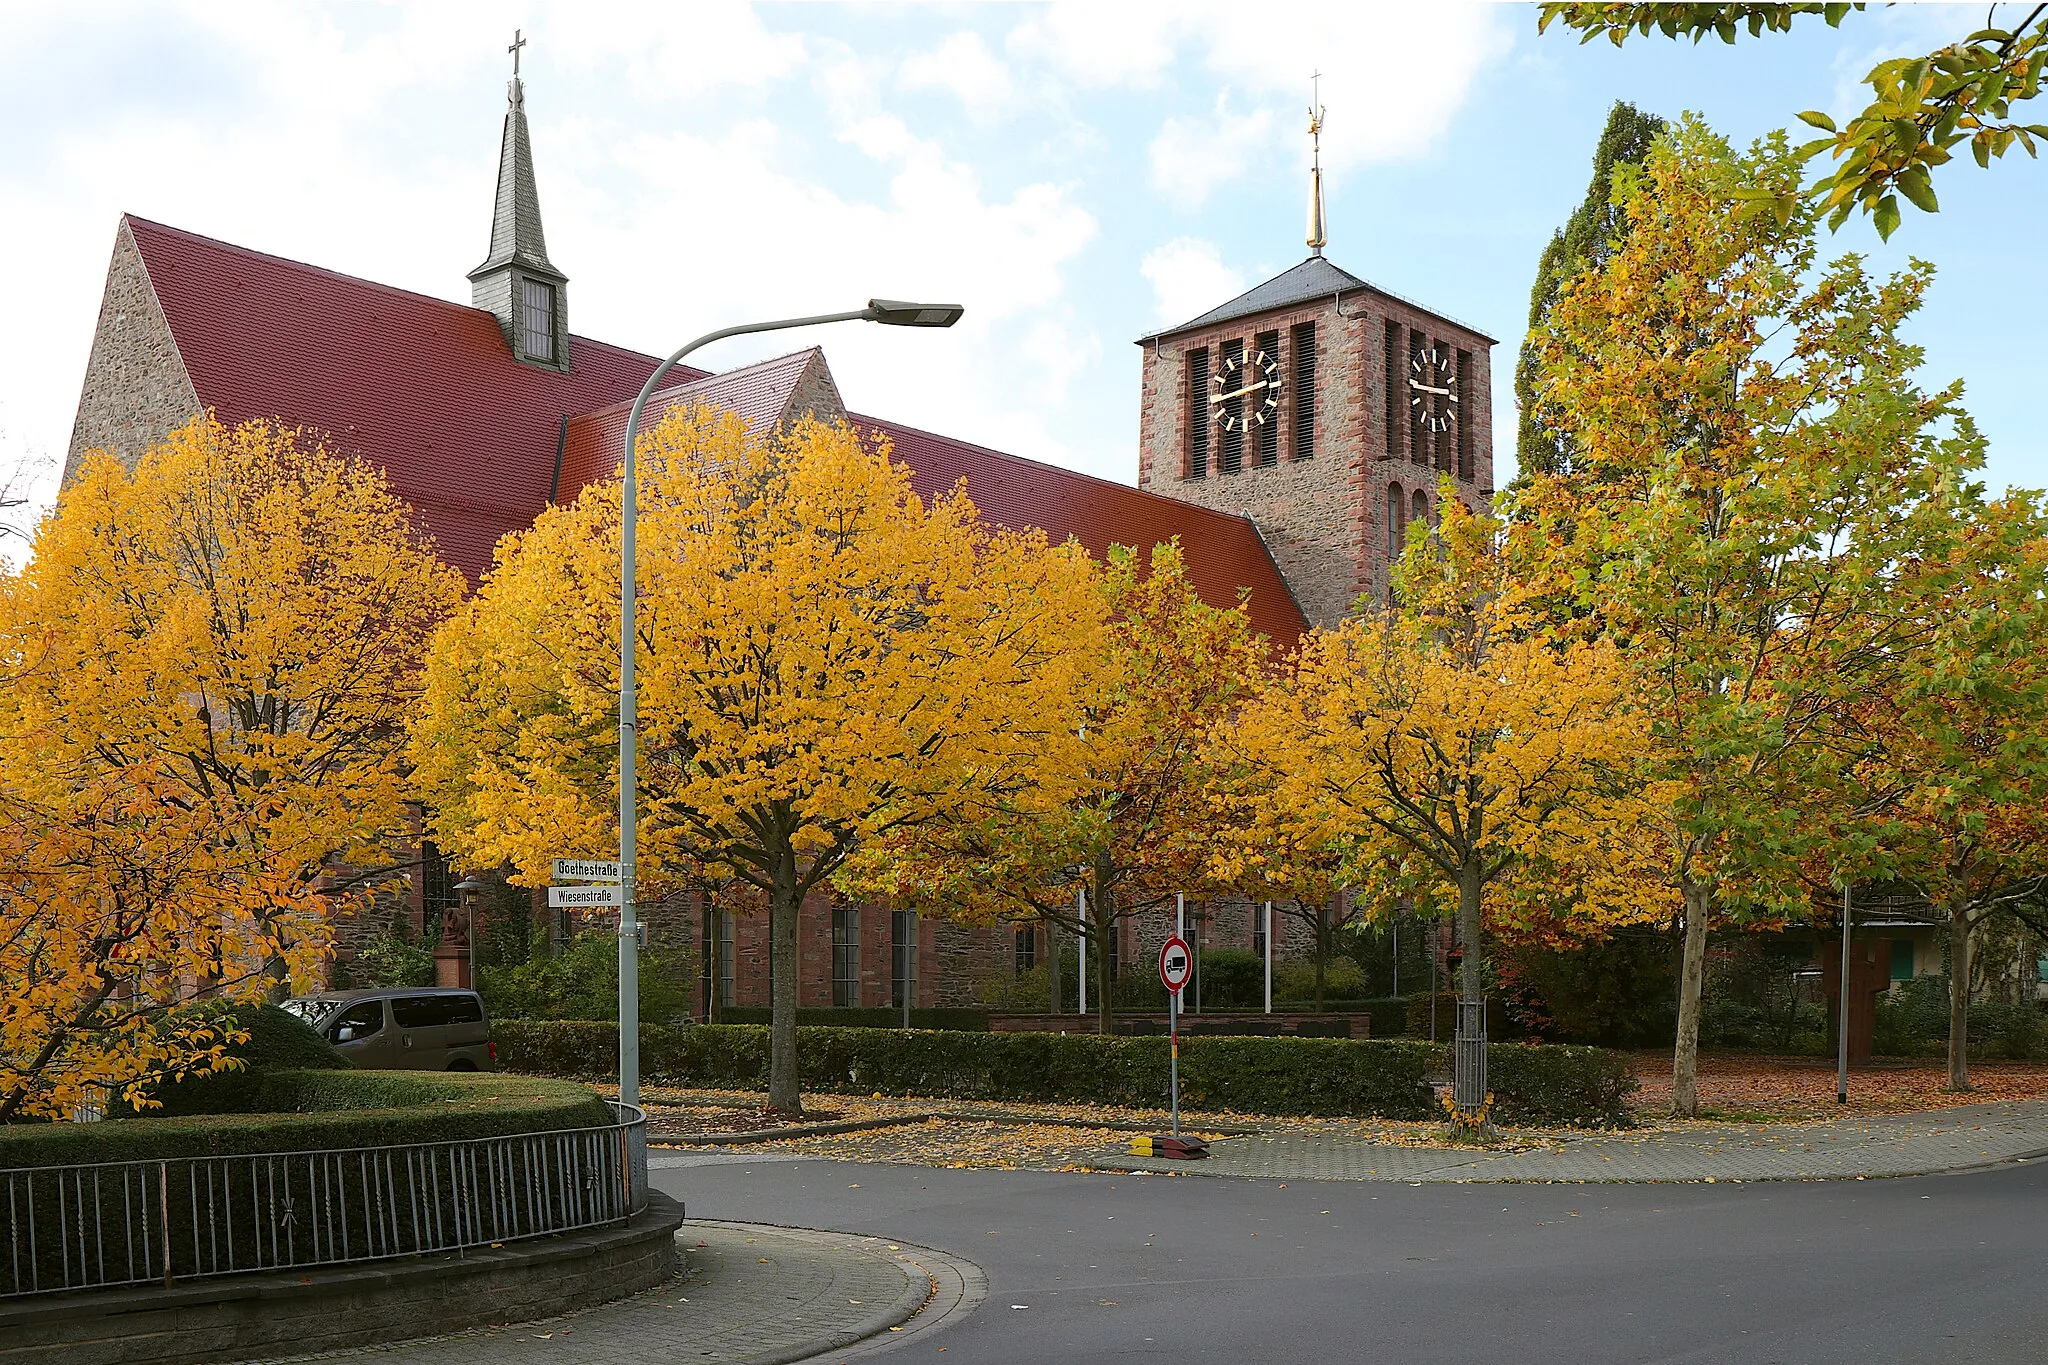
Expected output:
(158, 1222)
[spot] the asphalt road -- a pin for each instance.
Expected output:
(1086, 1268)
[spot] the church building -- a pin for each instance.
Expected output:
(1287, 437)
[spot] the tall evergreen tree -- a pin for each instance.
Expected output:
(1586, 239)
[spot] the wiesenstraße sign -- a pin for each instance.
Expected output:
(586, 870)
(586, 897)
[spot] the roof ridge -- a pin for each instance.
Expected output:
(1056, 468)
(699, 377)
(342, 275)
(1222, 313)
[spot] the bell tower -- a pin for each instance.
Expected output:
(517, 282)
(1326, 409)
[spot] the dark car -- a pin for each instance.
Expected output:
(396, 1028)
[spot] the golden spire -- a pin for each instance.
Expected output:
(1318, 234)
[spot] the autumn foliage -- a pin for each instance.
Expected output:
(824, 659)
(208, 665)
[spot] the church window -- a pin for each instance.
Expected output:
(1420, 511)
(1465, 414)
(1268, 345)
(1397, 380)
(537, 320)
(902, 954)
(1304, 391)
(1397, 508)
(845, 957)
(1027, 950)
(1230, 459)
(1198, 413)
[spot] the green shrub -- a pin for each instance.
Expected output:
(1501, 1024)
(582, 982)
(1308, 1076)
(397, 959)
(322, 1110)
(277, 1041)
(1620, 993)
(1231, 979)
(1295, 978)
(1552, 1083)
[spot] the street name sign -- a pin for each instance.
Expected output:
(586, 870)
(1176, 963)
(586, 897)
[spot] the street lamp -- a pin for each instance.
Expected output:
(890, 313)
(466, 892)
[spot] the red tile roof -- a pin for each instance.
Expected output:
(1224, 551)
(420, 386)
(759, 393)
(427, 390)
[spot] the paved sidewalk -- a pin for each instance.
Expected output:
(762, 1295)
(1891, 1145)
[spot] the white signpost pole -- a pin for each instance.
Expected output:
(1269, 957)
(1081, 915)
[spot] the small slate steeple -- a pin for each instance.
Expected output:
(517, 282)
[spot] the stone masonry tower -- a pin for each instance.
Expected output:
(1325, 409)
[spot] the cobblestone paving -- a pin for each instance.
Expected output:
(747, 1293)
(1891, 1145)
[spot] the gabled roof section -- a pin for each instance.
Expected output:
(421, 387)
(767, 396)
(1315, 278)
(1225, 553)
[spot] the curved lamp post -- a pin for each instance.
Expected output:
(889, 312)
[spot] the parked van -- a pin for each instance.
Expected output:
(397, 1029)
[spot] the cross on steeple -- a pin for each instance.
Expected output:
(518, 41)
(1318, 234)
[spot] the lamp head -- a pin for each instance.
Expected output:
(469, 886)
(896, 313)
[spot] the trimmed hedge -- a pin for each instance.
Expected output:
(957, 1019)
(278, 1041)
(320, 1110)
(1306, 1076)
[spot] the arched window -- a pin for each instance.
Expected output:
(1421, 510)
(1397, 512)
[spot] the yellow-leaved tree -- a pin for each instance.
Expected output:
(823, 659)
(1137, 823)
(208, 664)
(1446, 749)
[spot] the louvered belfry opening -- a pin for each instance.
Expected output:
(1419, 451)
(1232, 453)
(1464, 416)
(1198, 413)
(1267, 423)
(1397, 391)
(1304, 390)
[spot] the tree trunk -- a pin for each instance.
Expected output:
(1692, 976)
(1468, 1041)
(1958, 997)
(1322, 951)
(785, 1087)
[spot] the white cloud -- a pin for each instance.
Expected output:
(964, 67)
(1098, 44)
(1192, 157)
(1188, 277)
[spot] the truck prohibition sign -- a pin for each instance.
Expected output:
(1176, 963)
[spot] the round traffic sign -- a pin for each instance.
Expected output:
(1176, 963)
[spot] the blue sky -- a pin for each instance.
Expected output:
(1075, 174)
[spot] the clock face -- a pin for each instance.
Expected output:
(1254, 377)
(1432, 376)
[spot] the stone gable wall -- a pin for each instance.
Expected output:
(136, 389)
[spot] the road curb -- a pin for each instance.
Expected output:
(951, 1287)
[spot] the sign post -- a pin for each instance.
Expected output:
(1176, 965)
